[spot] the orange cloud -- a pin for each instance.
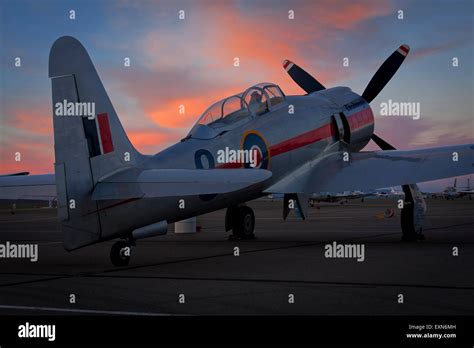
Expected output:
(28, 132)
(33, 121)
(149, 142)
(193, 62)
(35, 157)
(346, 15)
(420, 52)
(168, 114)
(190, 63)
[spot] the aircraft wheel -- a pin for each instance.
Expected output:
(408, 227)
(245, 224)
(120, 253)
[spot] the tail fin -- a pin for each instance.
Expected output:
(89, 141)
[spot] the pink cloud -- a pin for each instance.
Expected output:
(191, 64)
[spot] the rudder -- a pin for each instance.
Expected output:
(90, 142)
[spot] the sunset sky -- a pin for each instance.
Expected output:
(190, 62)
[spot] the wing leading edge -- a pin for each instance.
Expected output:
(372, 170)
(148, 183)
(28, 187)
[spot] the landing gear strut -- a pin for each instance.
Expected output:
(120, 253)
(412, 215)
(241, 220)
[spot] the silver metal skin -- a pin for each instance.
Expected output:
(80, 177)
(107, 189)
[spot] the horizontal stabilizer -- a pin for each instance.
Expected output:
(28, 187)
(373, 170)
(177, 182)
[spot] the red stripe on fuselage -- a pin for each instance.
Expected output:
(230, 165)
(304, 139)
(105, 136)
(356, 121)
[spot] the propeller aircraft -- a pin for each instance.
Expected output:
(272, 144)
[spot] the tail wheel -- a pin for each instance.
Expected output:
(245, 224)
(120, 253)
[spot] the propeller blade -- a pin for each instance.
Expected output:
(385, 73)
(302, 78)
(382, 143)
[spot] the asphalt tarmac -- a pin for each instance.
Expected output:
(287, 258)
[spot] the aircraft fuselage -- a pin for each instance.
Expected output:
(284, 140)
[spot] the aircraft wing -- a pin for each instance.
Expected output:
(177, 182)
(28, 187)
(372, 170)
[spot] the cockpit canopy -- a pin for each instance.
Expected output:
(255, 101)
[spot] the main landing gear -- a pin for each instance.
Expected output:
(120, 253)
(413, 214)
(241, 220)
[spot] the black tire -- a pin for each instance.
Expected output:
(117, 254)
(407, 223)
(408, 227)
(245, 224)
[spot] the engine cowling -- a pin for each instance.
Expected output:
(355, 125)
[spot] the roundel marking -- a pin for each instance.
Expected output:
(254, 141)
(198, 159)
